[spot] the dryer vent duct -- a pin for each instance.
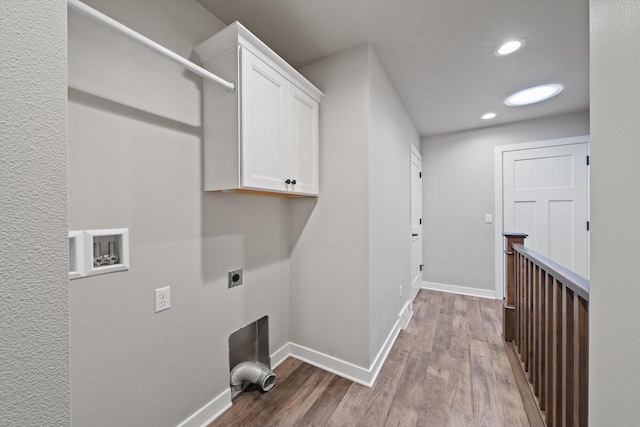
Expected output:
(254, 373)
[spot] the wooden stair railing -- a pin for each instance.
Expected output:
(545, 328)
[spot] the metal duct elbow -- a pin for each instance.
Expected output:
(255, 373)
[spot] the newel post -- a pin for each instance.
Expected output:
(509, 300)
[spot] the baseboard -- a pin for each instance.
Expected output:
(344, 369)
(209, 412)
(383, 353)
(462, 290)
(280, 355)
(331, 364)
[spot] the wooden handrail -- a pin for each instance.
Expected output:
(572, 280)
(546, 334)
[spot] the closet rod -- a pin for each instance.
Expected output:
(98, 16)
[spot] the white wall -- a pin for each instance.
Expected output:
(458, 190)
(135, 160)
(391, 134)
(34, 311)
(329, 235)
(614, 391)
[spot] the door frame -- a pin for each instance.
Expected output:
(418, 155)
(498, 207)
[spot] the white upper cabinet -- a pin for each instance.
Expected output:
(264, 136)
(303, 131)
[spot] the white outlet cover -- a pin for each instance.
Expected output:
(163, 298)
(488, 218)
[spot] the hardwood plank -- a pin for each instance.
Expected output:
(360, 402)
(291, 412)
(414, 396)
(325, 405)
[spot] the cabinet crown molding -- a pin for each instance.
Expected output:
(237, 34)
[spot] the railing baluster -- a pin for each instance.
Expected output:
(534, 328)
(517, 298)
(523, 285)
(527, 321)
(582, 352)
(549, 351)
(525, 288)
(541, 363)
(568, 357)
(556, 414)
(529, 315)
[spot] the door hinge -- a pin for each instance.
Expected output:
(588, 160)
(419, 174)
(420, 220)
(421, 266)
(588, 225)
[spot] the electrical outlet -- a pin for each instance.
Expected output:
(235, 278)
(163, 298)
(488, 218)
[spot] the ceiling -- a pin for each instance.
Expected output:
(438, 53)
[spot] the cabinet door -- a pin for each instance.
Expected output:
(265, 143)
(303, 131)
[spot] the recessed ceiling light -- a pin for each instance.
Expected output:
(533, 94)
(509, 47)
(488, 116)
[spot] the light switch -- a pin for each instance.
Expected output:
(488, 218)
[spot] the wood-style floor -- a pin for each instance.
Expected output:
(449, 368)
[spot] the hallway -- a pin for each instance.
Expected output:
(449, 368)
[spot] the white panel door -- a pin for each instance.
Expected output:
(416, 222)
(265, 149)
(303, 131)
(545, 194)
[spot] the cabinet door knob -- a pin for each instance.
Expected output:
(288, 181)
(293, 182)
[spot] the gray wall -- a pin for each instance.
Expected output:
(458, 190)
(34, 311)
(615, 213)
(391, 133)
(329, 235)
(350, 258)
(135, 160)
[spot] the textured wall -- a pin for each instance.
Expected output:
(135, 160)
(458, 190)
(34, 296)
(614, 391)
